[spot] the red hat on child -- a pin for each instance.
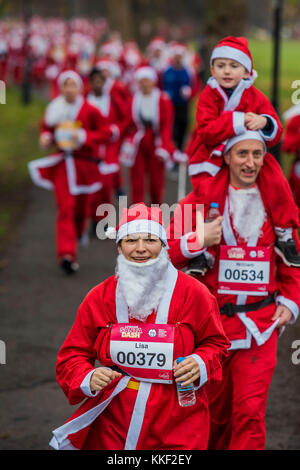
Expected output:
(139, 219)
(235, 49)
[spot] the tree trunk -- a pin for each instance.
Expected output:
(120, 17)
(223, 19)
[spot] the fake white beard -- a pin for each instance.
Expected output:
(247, 211)
(59, 110)
(142, 284)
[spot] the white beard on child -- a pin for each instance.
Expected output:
(142, 284)
(247, 211)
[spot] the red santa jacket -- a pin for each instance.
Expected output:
(291, 140)
(220, 118)
(80, 166)
(113, 104)
(291, 144)
(161, 127)
(156, 420)
(284, 280)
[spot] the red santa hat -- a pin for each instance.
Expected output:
(139, 219)
(248, 135)
(63, 76)
(156, 43)
(146, 71)
(233, 48)
(110, 48)
(177, 49)
(110, 65)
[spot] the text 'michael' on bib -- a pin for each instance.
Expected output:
(244, 270)
(144, 351)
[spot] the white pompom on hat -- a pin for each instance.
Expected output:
(139, 219)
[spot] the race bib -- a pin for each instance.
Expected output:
(144, 351)
(244, 270)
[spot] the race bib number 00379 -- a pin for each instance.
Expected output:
(144, 351)
(244, 270)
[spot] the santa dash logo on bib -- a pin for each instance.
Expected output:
(236, 253)
(131, 332)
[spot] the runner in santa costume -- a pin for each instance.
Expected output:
(291, 144)
(257, 293)
(148, 148)
(117, 97)
(109, 98)
(148, 310)
(76, 128)
(227, 106)
(157, 57)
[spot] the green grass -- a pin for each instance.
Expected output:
(19, 132)
(262, 53)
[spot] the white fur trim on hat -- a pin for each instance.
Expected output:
(248, 135)
(70, 74)
(142, 226)
(146, 72)
(227, 52)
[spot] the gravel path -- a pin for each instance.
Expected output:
(38, 306)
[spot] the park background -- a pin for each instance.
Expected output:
(37, 305)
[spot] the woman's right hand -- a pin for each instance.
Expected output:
(101, 377)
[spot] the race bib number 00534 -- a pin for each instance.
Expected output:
(244, 270)
(144, 351)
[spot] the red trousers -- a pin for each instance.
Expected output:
(147, 164)
(3, 70)
(237, 404)
(103, 196)
(274, 188)
(72, 214)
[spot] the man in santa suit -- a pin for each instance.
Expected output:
(148, 147)
(291, 144)
(76, 128)
(136, 324)
(257, 293)
(111, 98)
(228, 105)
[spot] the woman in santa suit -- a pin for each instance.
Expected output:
(76, 128)
(140, 320)
(148, 148)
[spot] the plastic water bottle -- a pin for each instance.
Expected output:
(186, 395)
(213, 212)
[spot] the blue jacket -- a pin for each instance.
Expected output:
(172, 81)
